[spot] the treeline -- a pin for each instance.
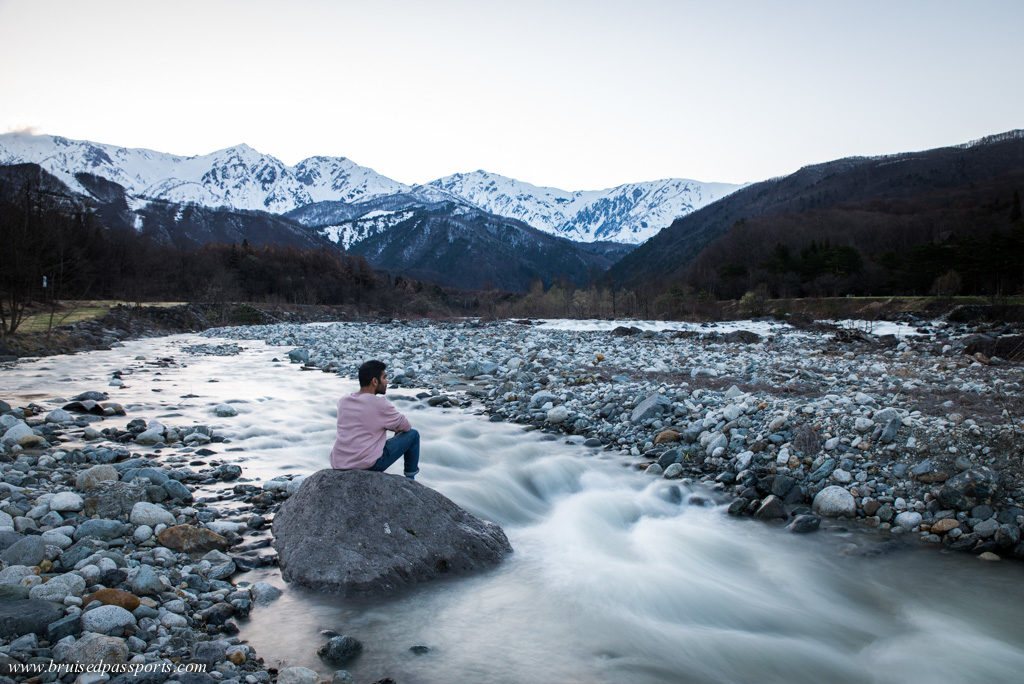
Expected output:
(969, 243)
(51, 254)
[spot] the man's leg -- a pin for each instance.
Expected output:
(404, 444)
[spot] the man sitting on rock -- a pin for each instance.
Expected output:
(363, 422)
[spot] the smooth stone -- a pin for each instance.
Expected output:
(771, 509)
(145, 513)
(945, 525)
(834, 501)
(29, 550)
(113, 597)
(92, 648)
(297, 675)
(146, 582)
(340, 649)
(264, 593)
(224, 411)
(24, 616)
(108, 619)
(63, 502)
(59, 416)
(60, 587)
(190, 539)
(908, 520)
(802, 524)
(986, 528)
(558, 414)
(99, 528)
(673, 471)
(91, 477)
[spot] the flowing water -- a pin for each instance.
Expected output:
(616, 577)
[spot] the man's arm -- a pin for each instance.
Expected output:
(393, 419)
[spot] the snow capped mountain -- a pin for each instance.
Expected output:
(328, 191)
(238, 177)
(628, 213)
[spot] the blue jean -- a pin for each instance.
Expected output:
(405, 444)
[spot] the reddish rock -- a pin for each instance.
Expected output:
(944, 525)
(191, 539)
(666, 436)
(113, 597)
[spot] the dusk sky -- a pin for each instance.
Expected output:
(577, 95)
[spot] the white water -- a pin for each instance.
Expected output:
(612, 580)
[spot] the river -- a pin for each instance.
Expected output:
(616, 576)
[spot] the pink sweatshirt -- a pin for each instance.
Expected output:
(363, 421)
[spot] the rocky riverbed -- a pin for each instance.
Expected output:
(909, 427)
(131, 538)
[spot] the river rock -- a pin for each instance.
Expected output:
(978, 486)
(674, 471)
(59, 588)
(771, 509)
(297, 675)
(908, 520)
(113, 499)
(27, 616)
(666, 436)
(29, 550)
(64, 502)
(145, 513)
(59, 416)
(92, 477)
(99, 528)
(190, 539)
(802, 524)
(264, 593)
(340, 649)
(113, 597)
(558, 414)
(153, 435)
(14, 434)
(986, 528)
(110, 620)
(834, 501)
(146, 582)
(356, 531)
(652, 406)
(92, 648)
(224, 411)
(944, 525)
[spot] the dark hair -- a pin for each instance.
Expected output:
(370, 370)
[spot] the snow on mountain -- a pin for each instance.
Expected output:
(376, 222)
(628, 213)
(238, 177)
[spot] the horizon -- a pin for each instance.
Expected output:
(574, 95)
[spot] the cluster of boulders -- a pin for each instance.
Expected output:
(108, 556)
(911, 434)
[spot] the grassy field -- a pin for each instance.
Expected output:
(69, 312)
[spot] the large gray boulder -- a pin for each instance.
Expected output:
(360, 532)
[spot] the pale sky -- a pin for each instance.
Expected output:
(577, 95)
